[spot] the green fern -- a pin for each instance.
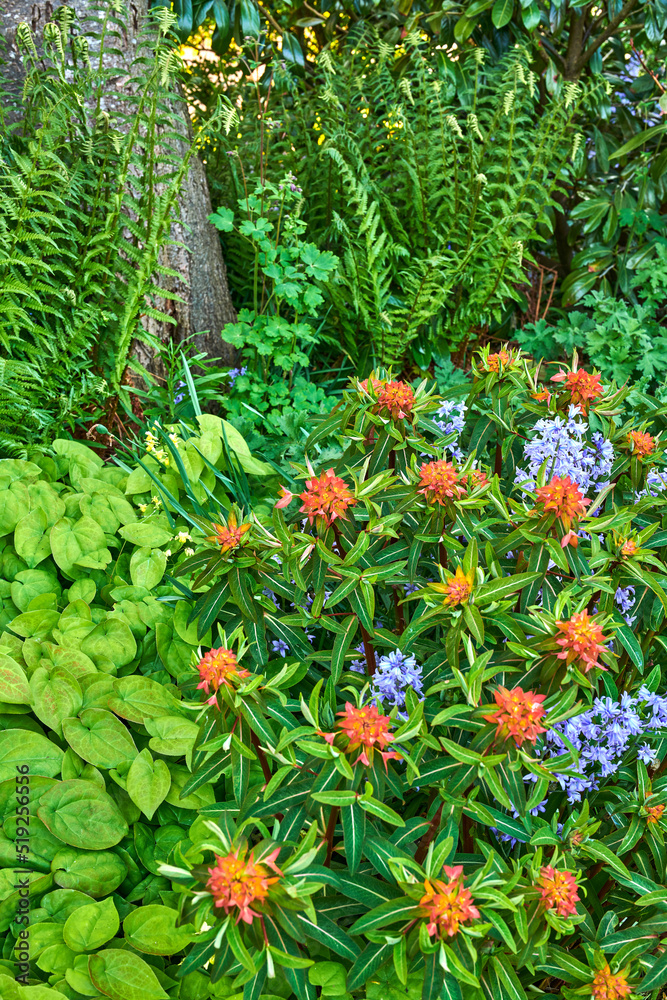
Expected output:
(87, 198)
(431, 184)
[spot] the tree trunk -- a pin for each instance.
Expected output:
(207, 305)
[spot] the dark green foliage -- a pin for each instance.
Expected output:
(429, 180)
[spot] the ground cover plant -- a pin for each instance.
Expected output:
(94, 734)
(415, 738)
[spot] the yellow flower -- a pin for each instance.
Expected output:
(458, 588)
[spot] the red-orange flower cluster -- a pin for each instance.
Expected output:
(229, 536)
(219, 667)
(237, 881)
(328, 497)
(474, 479)
(446, 905)
(397, 397)
(581, 642)
(583, 387)
(503, 357)
(629, 547)
(372, 383)
(558, 890)
(641, 443)
(518, 715)
(439, 482)
(655, 813)
(458, 588)
(365, 728)
(563, 498)
(606, 986)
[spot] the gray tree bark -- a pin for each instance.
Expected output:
(207, 306)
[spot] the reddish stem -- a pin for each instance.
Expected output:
(266, 770)
(430, 834)
(498, 467)
(331, 829)
(466, 835)
(400, 616)
(369, 651)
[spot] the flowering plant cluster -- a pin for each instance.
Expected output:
(433, 711)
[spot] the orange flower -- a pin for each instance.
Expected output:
(237, 881)
(327, 497)
(655, 813)
(606, 986)
(397, 397)
(458, 588)
(219, 667)
(229, 536)
(447, 905)
(641, 443)
(583, 387)
(366, 728)
(518, 715)
(629, 548)
(543, 396)
(285, 498)
(439, 482)
(558, 889)
(582, 641)
(494, 361)
(563, 498)
(374, 384)
(474, 480)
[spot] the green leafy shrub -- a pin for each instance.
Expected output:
(429, 177)
(441, 810)
(272, 399)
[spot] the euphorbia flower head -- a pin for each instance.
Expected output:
(655, 814)
(583, 387)
(563, 498)
(218, 668)
(458, 588)
(372, 384)
(518, 715)
(606, 986)
(397, 397)
(581, 641)
(558, 889)
(439, 482)
(447, 905)
(474, 479)
(328, 497)
(229, 536)
(629, 547)
(366, 728)
(237, 881)
(641, 444)
(494, 361)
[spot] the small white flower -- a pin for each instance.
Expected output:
(156, 501)
(143, 507)
(189, 552)
(183, 537)
(167, 552)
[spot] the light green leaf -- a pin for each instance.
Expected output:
(91, 926)
(121, 975)
(152, 929)
(148, 782)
